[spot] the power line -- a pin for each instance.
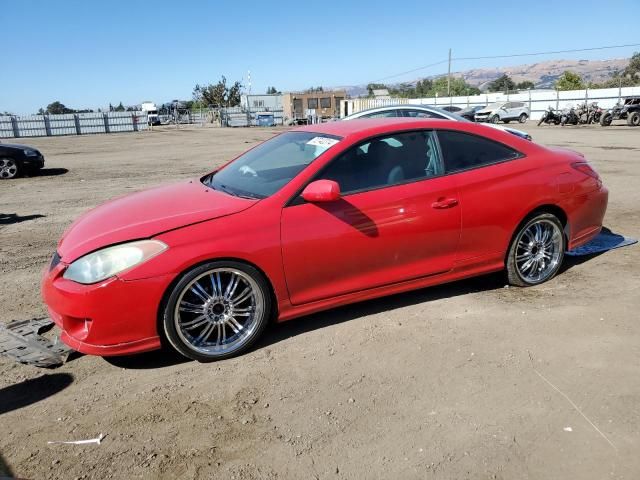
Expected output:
(411, 71)
(547, 53)
(424, 67)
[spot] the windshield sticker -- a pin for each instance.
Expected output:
(324, 142)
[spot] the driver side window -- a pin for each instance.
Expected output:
(386, 161)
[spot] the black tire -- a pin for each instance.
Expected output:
(177, 335)
(494, 119)
(542, 119)
(606, 119)
(9, 168)
(633, 119)
(514, 274)
(523, 117)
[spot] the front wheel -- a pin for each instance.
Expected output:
(494, 119)
(523, 118)
(633, 119)
(9, 168)
(536, 252)
(217, 310)
(606, 119)
(542, 119)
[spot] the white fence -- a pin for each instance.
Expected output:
(538, 101)
(12, 126)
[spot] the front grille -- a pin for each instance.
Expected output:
(54, 261)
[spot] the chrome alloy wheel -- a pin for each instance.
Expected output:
(539, 251)
(217, 312)
(8, 168)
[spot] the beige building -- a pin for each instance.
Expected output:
(298, 106)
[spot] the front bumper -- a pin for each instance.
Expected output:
(113, 317)
(482, 118)
(33, 163)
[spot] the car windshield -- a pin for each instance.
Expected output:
(267, 168)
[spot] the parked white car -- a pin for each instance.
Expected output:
(424, 111)
(504, 112)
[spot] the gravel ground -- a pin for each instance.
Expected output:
(468, 380)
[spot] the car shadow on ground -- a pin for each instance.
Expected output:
(339, 315)
(10, 218)
(166, 357)
(5, 471)
(51, 172)
(33, 390)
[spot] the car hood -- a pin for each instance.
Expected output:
(146, 214)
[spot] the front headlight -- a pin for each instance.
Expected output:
(30, 153)
(110, 261)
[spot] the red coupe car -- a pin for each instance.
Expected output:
(313, 218)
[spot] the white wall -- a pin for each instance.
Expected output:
(538, 101)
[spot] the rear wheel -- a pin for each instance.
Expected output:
(522, 118)
(217, 310)
(494, 119)
(9, 168)
(536, 252)
(633, 119)
(606, 119)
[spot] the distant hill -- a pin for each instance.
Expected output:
(542, 74)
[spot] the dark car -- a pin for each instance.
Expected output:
(16, 160)
(452, 108)
(470, 112)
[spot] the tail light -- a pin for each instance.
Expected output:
(585, 168)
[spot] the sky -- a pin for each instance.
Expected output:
(88, 54)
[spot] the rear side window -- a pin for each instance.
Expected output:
(463, 151)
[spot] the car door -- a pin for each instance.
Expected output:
(491, 181)
(398, 218)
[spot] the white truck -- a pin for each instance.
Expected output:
(152, 113)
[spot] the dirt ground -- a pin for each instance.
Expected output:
(470, 380)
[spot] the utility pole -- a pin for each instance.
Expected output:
(449, 76)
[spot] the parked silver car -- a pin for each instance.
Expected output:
(504, 112)
(424, 111)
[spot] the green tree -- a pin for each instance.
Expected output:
(272, 91)
(218, 95)
(569, 81)
(56, 108)
(119, 108)
(233, 94)
(525, 85)
(314, 89)
(502, 84)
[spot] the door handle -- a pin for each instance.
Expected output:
(445, 203)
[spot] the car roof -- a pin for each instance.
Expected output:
(367, 127)
(403, 106)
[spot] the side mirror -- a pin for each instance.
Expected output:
(321, 191)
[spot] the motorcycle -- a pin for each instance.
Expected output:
(569, 115)
(595, 113)
(550, 116)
